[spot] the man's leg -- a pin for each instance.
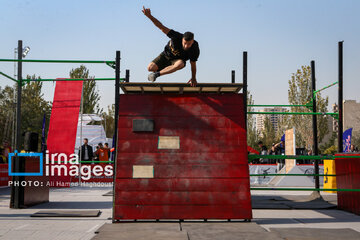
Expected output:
(153, 67)
(177, 65)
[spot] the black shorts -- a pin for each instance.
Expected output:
(163, 61)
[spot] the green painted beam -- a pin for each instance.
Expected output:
(5, 75)
(279, 105)
(57, 61)
(326, 87)
(254, 156)
(295, 113)
(307, 189)
(71, 79)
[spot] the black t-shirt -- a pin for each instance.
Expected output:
(174, 49)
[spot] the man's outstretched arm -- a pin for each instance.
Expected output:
(156, 22)
(193, 81)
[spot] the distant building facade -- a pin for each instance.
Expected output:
(274, 118)
(351, 115)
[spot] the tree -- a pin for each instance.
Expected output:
(252, 134)
(300, 93)
(331, 143)
(91, 96)
(268, 133)
(33, 108)
(109, 121)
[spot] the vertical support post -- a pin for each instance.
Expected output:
(245, 86)
(117, 99)
(16, 166)
(233, 76)
(340, 98)
(127, 75)
(314, 124)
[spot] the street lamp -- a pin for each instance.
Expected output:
(25, 51)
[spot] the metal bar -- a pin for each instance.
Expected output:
(328, 157)
(292, 174)
(233, 76)
(307, 189)
(326, 87)
(295, 113)
(55, 61)
(340, 99)
(279, 105)
(5, 75)
(117, 100)
(127, 75)
(71, 79)
(314, 125)
(245, 83)
(18, 125)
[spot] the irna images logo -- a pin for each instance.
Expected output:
(58, 164)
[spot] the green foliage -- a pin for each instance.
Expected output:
(355, 140)
(331, 150)
(331, 142)
(252, 134)
(109, 121)
(91, 96)
(269, 134)
(300, 93)
(33, 108)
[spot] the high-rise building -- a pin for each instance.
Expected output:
(274, 118)
(351, 115)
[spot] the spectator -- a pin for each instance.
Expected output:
(263, 149)
(3, 159)
(103, 153)
(86, 151)
(7, 149)
(108, 150)
(96, 157)
(273, 151)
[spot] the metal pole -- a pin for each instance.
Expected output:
(340, 99)
(81, 121)
(233, 76)
(18, 125)
(117, 99)
(127, 75)
(245, 86)
(314, 123)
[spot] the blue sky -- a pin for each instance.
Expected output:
(280, 37)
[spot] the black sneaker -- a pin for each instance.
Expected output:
(152, 77)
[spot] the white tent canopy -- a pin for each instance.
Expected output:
(94, 133)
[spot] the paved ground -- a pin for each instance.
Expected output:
(267, 223)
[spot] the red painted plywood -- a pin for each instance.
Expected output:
(348, 177)
(63, 121)
(208, 177)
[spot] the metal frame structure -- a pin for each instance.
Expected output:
(314, 113)
(114, 64)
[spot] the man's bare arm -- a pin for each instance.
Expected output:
(147, 12)
(193, 81)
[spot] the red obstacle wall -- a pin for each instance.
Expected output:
(63, 122)
(207, 178)
(348, 177)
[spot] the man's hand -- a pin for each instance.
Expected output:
(192, 82)
(147, 12)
